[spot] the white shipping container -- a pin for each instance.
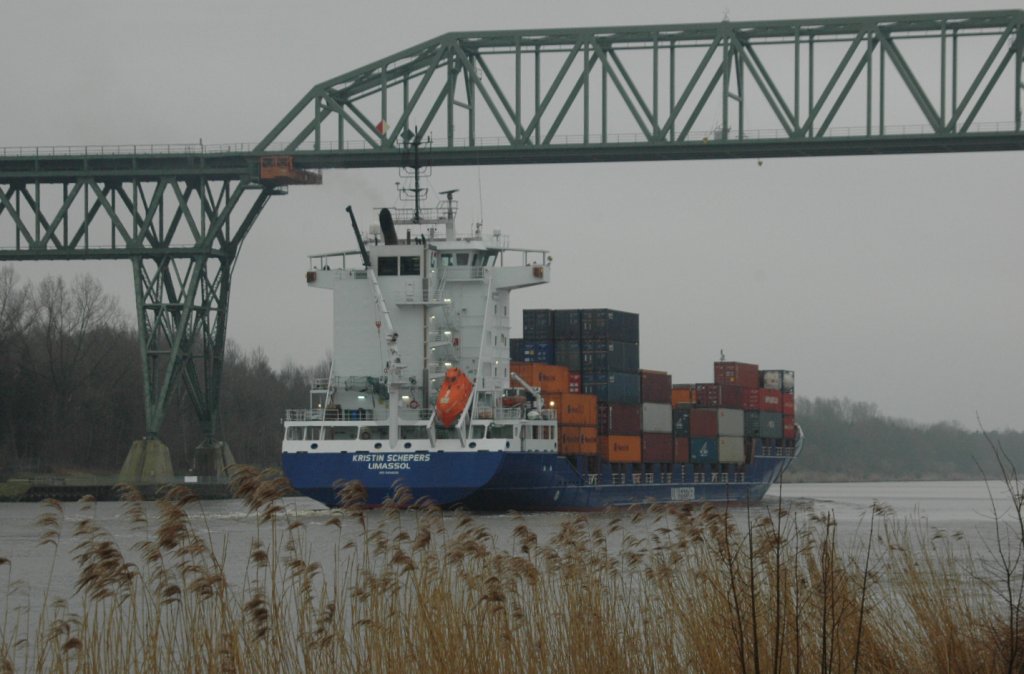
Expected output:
(730, 449)
(730, 422)
(658, 418)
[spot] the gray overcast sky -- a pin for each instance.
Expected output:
(894, 280)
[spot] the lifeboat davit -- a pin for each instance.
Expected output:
(453, 396)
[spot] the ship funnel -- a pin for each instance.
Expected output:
(387, 228)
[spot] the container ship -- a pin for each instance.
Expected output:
(429, 390)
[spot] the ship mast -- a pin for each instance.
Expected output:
(394, 367)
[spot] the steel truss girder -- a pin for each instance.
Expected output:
(503, 96)
(182, 243)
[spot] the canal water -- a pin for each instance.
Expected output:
(33, 568)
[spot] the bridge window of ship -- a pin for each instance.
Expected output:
(294, 433)
(477, 431)
(462, 259)
(373, 432)
(500, 431)
(410, 265)
(340, 433)
(387, 266)
(312, 432)
(412, 432)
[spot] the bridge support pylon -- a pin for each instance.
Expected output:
(148, 463)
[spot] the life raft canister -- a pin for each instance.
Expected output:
(453, 397)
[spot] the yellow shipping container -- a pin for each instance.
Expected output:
(548, 378)
(619, 448)
(574, 409)
(577, 440)
(684, 394)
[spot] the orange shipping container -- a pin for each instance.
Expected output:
(548, 378)
(683, 394)
(619, 448)
(574, 409)
(577, 440)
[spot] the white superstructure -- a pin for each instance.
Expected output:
(446, 294)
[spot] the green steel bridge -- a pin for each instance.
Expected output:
(823, 87)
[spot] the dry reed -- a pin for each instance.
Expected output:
(414, 589)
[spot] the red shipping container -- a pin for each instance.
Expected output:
(656, 447)
(575, 382)
(717, 395)
(682, 450)
(703, 422)
(789, 428)
(750, 399)
(619, 419)
(771, 400)
(732, 373)
(619, 448)
(655, 387)
(788, 404)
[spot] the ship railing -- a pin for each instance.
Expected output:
(329, 414)
(508, 413)
(592, 478)
(618, 478)
(348, 259)
(523, 257)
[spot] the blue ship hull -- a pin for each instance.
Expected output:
(502, 481)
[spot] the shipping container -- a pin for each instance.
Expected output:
(788, 428)
(531, 352)
(538, 352)
(609, 356)
(574, 409)
(683, 394)
(681, 453)
(657, 418)
(619, 448)
(620, 387)
(537, 325)
(703, 422)
(718, 395)
(731, 449)
(779, 380)
(655, 387)
(788, 404)
(567, 354)
(619, 419)
(704, 450)
(515, 350)
(577, 440)
(611, 324)
(771, 400)
(681, 421)
(732, 373)
(656, 447)
(730, 422)
(566, 324)
(547, 378)
(751, 423)
(771, 425)
(575, 382)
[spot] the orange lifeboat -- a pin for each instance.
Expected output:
(453, 396)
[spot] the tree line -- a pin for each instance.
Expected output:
(71, 385)
(71, 400)
(854, 441)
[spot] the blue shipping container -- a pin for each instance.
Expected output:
(703, 450)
